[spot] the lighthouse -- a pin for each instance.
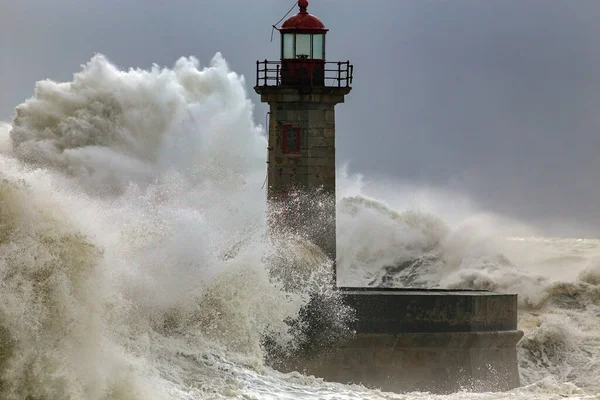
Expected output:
(302, 89)
(404, 339)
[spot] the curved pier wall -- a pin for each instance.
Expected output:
(424, 340)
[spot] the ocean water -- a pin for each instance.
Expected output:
(135, 262)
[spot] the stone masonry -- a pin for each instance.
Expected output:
(440, 341)
(312, 168)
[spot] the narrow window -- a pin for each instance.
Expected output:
(288, 45)
(291, 139)
(318, 46)
(303, 45)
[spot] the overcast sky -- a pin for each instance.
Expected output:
(499, 99)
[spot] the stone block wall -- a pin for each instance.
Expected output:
(311, 170)
(423, 340)
(443, 362)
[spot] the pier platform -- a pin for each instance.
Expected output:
(440, 341)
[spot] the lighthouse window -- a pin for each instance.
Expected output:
(303, 45)
(319, 46)
(291, 139)
(288, 45)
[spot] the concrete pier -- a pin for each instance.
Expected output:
(440, 341)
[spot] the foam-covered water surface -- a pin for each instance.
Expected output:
(135, 261)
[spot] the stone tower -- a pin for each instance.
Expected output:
(302, 89)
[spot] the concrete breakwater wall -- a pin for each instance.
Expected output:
(427, 340)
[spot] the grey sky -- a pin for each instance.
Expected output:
(497, 98)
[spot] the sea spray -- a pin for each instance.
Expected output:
(110, 128)
(158, 203)
(51, 307)
(376, 241)
(554, 278)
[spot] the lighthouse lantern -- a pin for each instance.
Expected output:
(303, 49)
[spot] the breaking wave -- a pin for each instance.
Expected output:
(557, 280)
(135, 261)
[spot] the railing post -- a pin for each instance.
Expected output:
(347, 73)
(277, 78)
(265, 73)
(339, 74)
(257, 67)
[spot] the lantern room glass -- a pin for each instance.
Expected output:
(288, 45)
(303, 46)
(318, 46)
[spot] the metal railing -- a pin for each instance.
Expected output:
(333, 74)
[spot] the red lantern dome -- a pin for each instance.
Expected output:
(303, 21)
(303, 59)
(303, 49)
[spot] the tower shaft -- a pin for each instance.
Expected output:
(301, 158)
